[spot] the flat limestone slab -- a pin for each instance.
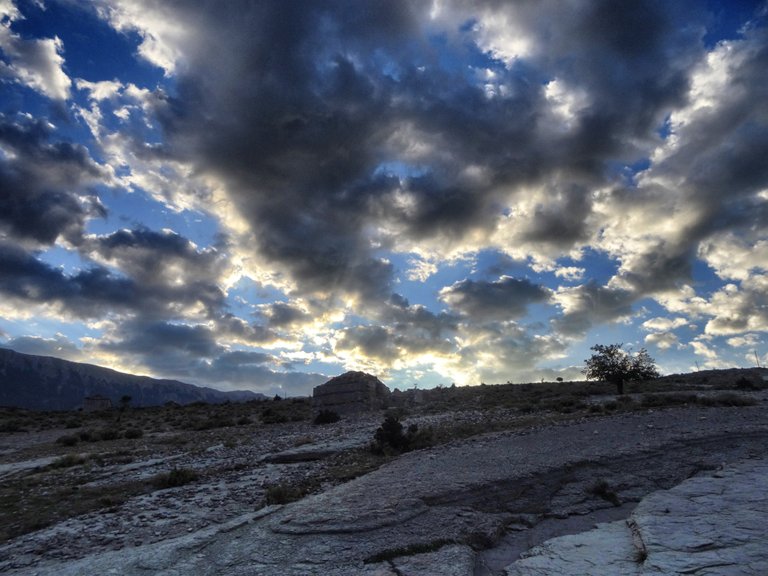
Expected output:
(707, 525)
(607, 549)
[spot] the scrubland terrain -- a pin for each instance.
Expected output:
(81, 485)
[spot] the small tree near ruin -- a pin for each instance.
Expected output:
(614, 364)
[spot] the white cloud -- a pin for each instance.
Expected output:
(9, 11)
(570, 273)
(737, 310)
(420, 270)
(747, 340)
(566, 103)
(162, 30)
(663, 341)
(36, 63)
(102, 90)
(733, 257)
(662, 324)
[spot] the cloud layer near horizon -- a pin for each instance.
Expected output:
(465, 190)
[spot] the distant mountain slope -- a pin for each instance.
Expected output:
(46, 383)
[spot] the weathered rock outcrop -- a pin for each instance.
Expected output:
(706, 525)
(350, 393)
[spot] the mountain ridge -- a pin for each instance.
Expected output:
(49, 383)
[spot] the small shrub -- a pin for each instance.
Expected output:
(661, 400)
(108, 434)
(213, 422)
(67, 461)
(745, 383)
(603, 490)
(326, 417)
(133, 433)
(67, 440)
(176, 477)
(727, 399)
(282, 494)
(389, 437)
(73, 423)
(12, 426)
(422, 438)
(244, 421)
(270, 416)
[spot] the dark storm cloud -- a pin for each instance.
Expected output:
(165, 341)
(163, 262)
(59, 346)
(561, 220)
(418, 320)
(44, 184)
(96, 291)
(504, 299)
(299, 150)
(191, 352)
(371, 341)
(590, 304)
(717, 166)
(230, 326)
(283, 314)
(307, 106)
(86, 294)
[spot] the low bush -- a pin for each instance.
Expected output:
(283, 494)
(602, 490)
(727, 399)
(67, 461)
(389, 437)
(12, 426)
(133, 433)
(176, 477)
(745, 383)
(212, 423)
(67, 440)
(661, 400)
(270, 416)
(326, 417)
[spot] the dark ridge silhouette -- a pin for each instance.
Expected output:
(47, 383)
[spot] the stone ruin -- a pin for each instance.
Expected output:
(350, 393)
(96, 403)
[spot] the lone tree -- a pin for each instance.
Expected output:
(614, 364)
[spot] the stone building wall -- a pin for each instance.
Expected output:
(350, 393)
(96, 403)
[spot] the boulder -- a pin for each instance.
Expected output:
(350, 393)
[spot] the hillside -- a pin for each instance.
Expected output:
(46, 383)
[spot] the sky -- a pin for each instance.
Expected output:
(262, 195)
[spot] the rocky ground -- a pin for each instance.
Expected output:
(468, 504)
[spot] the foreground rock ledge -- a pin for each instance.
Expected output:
(706, 525)
(429, 511)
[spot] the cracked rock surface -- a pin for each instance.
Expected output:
(433, 511)
(708, 525)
